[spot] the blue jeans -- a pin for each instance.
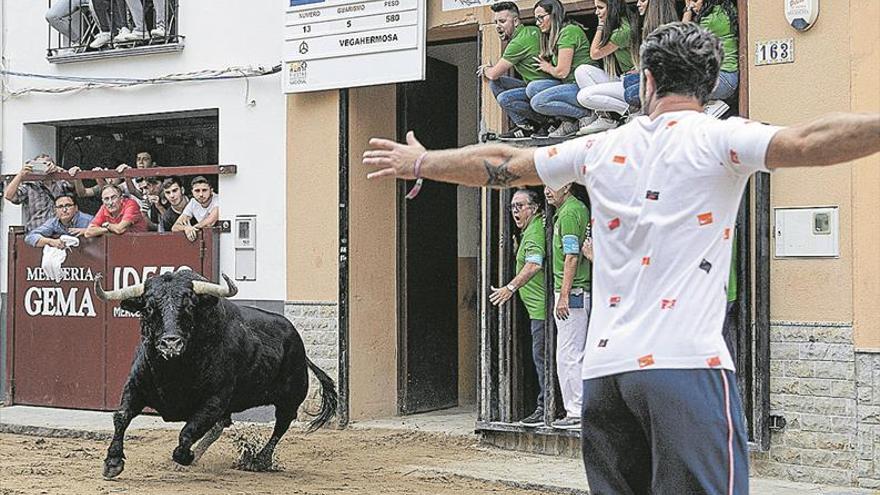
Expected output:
(726, 86)
(631, 86)
(537, 328)
(510, 93)
(553, 98)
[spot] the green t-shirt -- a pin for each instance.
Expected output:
(717, 23)
(531, 249)
(569, 230)
(621, 38)
(731, 281)
(521, 51)
(572, 36)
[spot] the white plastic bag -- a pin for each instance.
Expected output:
(53, 258)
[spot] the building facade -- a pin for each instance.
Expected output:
(391, 295)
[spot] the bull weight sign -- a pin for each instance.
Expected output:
(331, 44)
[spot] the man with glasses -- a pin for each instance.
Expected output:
(68, 221)
(525, 206)
(118, 214)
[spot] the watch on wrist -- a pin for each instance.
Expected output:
(511, 287)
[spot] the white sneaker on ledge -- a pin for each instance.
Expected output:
(100, 40)
(121, 35)
(716, 108)
(158, 32)
(135, 35)
(599, 125)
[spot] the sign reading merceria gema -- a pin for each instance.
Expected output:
(331, 44)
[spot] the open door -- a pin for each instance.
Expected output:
(427, 260)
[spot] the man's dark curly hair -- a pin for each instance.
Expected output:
(684, 59)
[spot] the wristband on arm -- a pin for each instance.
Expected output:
(417, 172)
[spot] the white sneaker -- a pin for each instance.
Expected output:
(100, 40)
(584, 122)
(121, 35)
(601, 124)
(566, 129)
(716, 108)
(135, 35)
(158, 32)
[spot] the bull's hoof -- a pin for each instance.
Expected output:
(182, 456)
(112, 467)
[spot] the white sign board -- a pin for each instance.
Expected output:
(331, 44)
(774, 52)
(466, 4)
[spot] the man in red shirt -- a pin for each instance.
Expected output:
(117, 215)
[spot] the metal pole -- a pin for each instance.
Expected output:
(762, 307)
(344, 405)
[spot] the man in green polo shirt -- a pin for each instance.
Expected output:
(571, 281)
(525, 206)
(522, 48)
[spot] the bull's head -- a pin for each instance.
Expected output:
(170, 305)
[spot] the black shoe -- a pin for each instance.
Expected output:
(518, 133)
(544, 131)
(534, 419)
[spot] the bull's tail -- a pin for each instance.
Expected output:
(329, 398)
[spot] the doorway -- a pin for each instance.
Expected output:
(427, 252)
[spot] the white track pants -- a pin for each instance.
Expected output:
(571, 337)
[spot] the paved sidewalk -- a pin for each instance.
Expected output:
(524, 470)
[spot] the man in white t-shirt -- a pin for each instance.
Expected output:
(204, 208)
(661, 410)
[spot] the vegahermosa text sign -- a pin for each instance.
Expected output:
(331, 44)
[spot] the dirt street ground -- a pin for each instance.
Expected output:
(325, 462)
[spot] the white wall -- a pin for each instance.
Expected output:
(219, 34)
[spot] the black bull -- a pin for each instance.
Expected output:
(202, 358)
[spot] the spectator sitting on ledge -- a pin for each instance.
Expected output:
(117, 215)
(68, 221)
(204, 207)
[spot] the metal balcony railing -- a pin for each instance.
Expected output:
(89, 29)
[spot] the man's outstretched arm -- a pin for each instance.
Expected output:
(492, 165)
(829, 140)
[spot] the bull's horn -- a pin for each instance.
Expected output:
(114, 295)
(227, 289)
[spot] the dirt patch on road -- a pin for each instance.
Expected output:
(326, 462)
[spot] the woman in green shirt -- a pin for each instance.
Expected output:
(720, 18)
(601, 89)
(564, 48)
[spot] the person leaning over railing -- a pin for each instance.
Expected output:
(611, 45)
(564, 48)
(175, 196)
(117, 215)
(68, 220)
(204, 208)
(36, 197)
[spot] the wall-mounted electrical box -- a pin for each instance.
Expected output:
(245, 230)
(807, 232)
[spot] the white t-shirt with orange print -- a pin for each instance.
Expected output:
(664, 196)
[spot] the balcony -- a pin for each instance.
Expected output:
(84, 30)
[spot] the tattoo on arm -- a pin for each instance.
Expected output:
(499, 176)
